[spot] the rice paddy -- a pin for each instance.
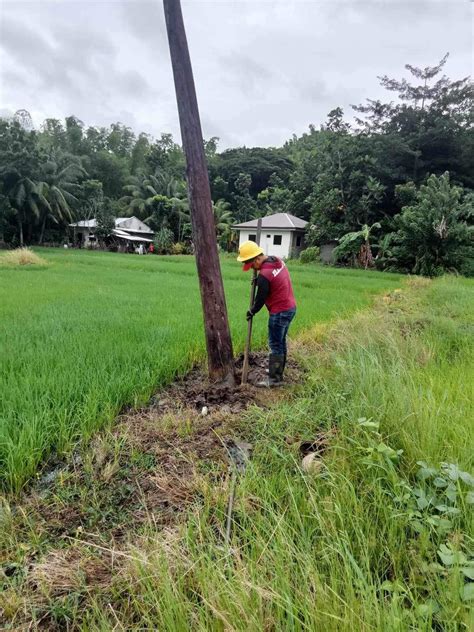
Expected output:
(92, 332)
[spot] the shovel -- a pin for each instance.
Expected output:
(245, 366)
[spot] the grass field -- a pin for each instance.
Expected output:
(380, 538)
(92, 332)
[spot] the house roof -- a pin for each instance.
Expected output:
(277, 221)
(137, 226)
(85, 223)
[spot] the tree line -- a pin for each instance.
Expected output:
(392, 187)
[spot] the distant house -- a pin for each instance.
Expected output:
(282, 234)
(128, 231)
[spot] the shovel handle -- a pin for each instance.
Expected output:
(245, 366)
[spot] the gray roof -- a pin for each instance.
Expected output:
(279, 221)
(85, 223)
(140, 227)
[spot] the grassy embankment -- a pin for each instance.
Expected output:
(92, 332)
(379, 539)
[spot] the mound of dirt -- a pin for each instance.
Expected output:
(195, 391)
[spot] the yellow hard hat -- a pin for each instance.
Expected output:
(249, 250)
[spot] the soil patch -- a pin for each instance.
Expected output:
(196, 391)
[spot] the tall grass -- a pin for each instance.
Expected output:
(353, 547)
(21, 257)
(93, 332)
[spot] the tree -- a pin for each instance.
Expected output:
(90, 197)
(58, 182)
(105, 218)
(166, 156)
(74, 135)
(245, 206)
(111, 170)
(19, 170)
(139, 154)
(120, 140)
(433, 118)
(357, 244)
(276, 198)
(433, 233)
(158, 199)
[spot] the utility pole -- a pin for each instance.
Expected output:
(216, 324)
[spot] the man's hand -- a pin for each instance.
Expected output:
(250, 314)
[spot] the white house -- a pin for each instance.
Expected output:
(282, 234)
(128, 231)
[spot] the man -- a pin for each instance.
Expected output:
(274, 290)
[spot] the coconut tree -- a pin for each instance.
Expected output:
(138, 197)
(23, 197)
(223, 221)
(142, 189)
(55, 191)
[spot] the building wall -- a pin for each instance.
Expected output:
(266, 241)
(298, 243)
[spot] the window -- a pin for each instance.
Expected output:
(277, 240)
(298, 241)
(268, 236)
(253, 237)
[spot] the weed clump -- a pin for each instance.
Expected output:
(21, 257)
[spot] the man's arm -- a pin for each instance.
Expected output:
(263, 289)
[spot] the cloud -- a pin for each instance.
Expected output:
(263, 70)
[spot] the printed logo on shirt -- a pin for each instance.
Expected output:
(277, 272)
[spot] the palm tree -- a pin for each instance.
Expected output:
(137, 198)
(55, 191)
(223, 221)
(222, 216)
(23, 197)
(145, 191)
(143, 188)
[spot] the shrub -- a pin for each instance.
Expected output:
(178, 249)
(163, 241)
(310, 254)
(21, 257)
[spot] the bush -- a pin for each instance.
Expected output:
(310, 254)
(163, 241)
(21, 257)
(178, 249)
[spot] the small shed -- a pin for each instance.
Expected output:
(282, 234)
(128, 230)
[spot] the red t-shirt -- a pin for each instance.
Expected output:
(280, 298)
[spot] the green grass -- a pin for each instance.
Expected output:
(92, 332)
(376, 541)
(381, 538)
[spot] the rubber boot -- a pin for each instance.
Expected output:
(283, 369)
(275, 371)
(283, 365)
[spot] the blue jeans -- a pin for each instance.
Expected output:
(278, 326)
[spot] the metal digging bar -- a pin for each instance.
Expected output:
(253, 287)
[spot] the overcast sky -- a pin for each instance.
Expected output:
(263, 70)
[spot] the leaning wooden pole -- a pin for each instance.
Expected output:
(216, 324)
